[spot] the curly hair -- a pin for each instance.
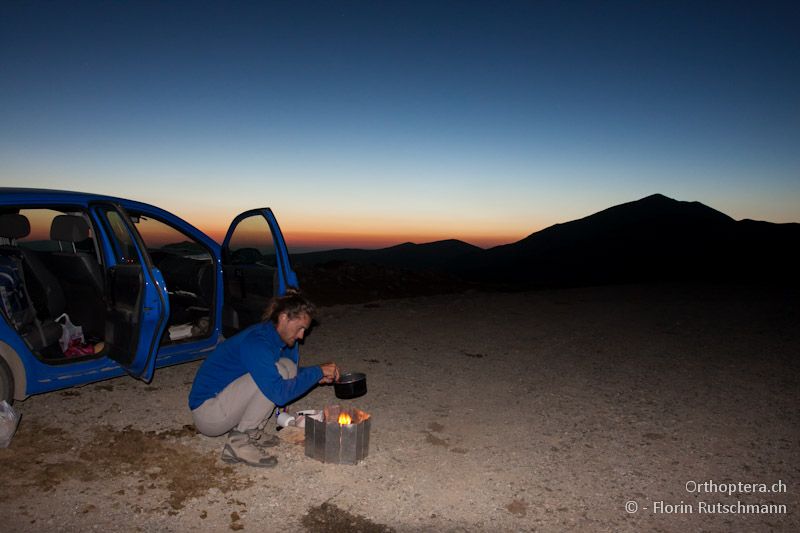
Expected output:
(293, 303)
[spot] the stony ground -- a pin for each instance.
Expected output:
(540, 411)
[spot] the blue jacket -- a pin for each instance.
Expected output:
(254, 350)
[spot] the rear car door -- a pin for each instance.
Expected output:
(255, 265)
(137, 307)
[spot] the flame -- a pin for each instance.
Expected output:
(344, 419)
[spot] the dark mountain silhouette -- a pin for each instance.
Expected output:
(351, 275)
(435, 256)
(652, 239)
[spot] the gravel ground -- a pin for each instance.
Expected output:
(538, 411)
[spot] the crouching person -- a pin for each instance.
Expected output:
(239, 384)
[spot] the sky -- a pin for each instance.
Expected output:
(372, 123)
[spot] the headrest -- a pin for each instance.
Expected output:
(69, 228)
(14, 226)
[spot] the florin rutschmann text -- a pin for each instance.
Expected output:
(662, 507)
(715, 507)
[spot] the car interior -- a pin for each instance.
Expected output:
(77, 290)
(188, 270)
(60, 272)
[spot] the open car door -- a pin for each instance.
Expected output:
(255, 266)
(136, 307)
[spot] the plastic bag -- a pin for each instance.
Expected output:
(70, 333)
(9, 419)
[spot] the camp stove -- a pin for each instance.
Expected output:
(342, 436)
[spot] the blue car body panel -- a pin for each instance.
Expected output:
(40, 376)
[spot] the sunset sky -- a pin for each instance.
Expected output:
(369, 123)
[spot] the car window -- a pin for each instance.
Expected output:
(41, 219)
(252, 243)
(39, 237)
(123, 244)
(161, 237)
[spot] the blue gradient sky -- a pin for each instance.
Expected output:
(374, 123)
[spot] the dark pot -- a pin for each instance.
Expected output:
(350, 385)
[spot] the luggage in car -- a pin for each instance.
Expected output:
(13, 299)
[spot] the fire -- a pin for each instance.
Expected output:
(344, 419)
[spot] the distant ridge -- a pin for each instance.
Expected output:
(652, 239)
(655, 238)
(438, 255)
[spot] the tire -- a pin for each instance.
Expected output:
(6, 382)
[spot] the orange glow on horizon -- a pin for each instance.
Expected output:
(333, 240)
(328, 240)
(305, 234)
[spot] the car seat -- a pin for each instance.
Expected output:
(80, 273)
(42, 289)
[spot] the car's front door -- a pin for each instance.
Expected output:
(136, 307)
(255, 264)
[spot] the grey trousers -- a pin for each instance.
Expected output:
(240, 405)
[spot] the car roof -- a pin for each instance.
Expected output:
(39, 195)
(23, 195)
(20, 196)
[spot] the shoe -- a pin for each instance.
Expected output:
(239, 449)
(260, 438)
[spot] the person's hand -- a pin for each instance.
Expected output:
(330, 372)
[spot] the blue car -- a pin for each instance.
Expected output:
(94, 287)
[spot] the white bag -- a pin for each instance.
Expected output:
(69, 332)
(9, 419)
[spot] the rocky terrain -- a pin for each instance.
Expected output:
(550, 410)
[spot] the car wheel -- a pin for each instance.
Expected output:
(6, 382)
